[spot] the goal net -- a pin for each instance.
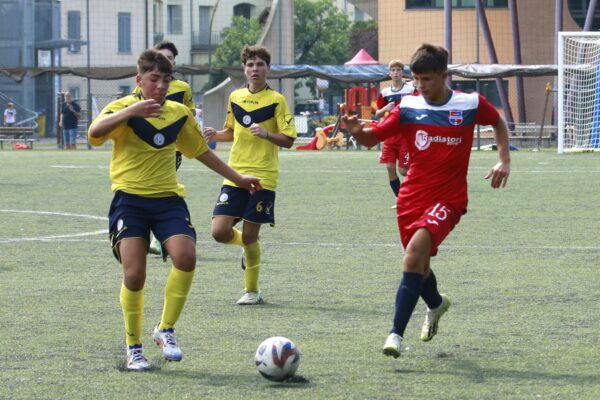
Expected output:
(578, 91)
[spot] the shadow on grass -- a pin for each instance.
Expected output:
(477, 374)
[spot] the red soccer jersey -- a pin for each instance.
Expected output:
(439, 140)
(389, 95)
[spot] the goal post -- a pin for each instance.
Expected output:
(578, 92)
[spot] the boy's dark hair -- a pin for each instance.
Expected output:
(256, 51)
(152, 59)
(429, 58)
(167, 44)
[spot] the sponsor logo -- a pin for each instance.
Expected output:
(159, 139)
(455, 117)
(423, 140)
(420, 117)
(247, 120)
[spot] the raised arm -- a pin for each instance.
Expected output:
(212, 135)
(499, 172)
(357, 129)
(212, 161)
(142, 109)
(274, 137)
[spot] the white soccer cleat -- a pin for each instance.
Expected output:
(250, 298)
(165, 339)
(155, 247)
(136, 361)
(432, 318)
(392, 345)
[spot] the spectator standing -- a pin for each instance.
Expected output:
(10, 114)
(69, 119)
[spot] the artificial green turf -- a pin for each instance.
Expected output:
(521, 270)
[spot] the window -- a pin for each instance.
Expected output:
(174, 19)
(75, 92)
(74, 30)
(204, 13)
(487, 88)
(412, 4)
(125, 89)
(578, 10)
(243, 10)
(157, 23)
(124, 32)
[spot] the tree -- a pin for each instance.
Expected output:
(321, 37)
(242, 31)
(321, 32)
(364, 35)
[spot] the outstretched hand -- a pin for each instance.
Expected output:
(352, 124)
(250, 183)
(499, 174)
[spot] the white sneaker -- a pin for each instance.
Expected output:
(136, 361)
(430, 326)
(165, 339)
(250, 298)
(392, 345)
(155, 247)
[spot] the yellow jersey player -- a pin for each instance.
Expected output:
(146, 129)
(258, 122)
(180, 92)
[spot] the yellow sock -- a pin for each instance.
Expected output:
(176, 291)
(252, 271)
(237, 238)
(132, 304)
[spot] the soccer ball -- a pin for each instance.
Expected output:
(277, 358)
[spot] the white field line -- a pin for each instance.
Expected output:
(55, 237)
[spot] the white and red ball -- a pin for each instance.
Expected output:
(277, 358)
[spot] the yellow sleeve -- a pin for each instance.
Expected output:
(188, 99)
(190, 141)
(111, 108)
(285, 120)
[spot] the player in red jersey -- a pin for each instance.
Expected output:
(438, 125)
(395, 149)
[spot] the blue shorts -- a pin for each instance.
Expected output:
(135, 216)
(258, 208)
(70, 136)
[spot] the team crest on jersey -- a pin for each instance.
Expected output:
(456, 117)
(422, 141)
(223, 197)
(158, 139)
(247, 120)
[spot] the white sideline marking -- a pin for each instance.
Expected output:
(53, 237)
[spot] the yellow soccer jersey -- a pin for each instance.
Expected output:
(143, 153)
(249, 154)
(179, 91)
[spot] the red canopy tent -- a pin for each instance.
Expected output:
(358, 98)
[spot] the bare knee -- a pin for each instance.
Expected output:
(185, 261)
(222, 235)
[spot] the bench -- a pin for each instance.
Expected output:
(521, 134)
(17, 134)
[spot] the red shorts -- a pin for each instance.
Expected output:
(395, 150)
(438, 219)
